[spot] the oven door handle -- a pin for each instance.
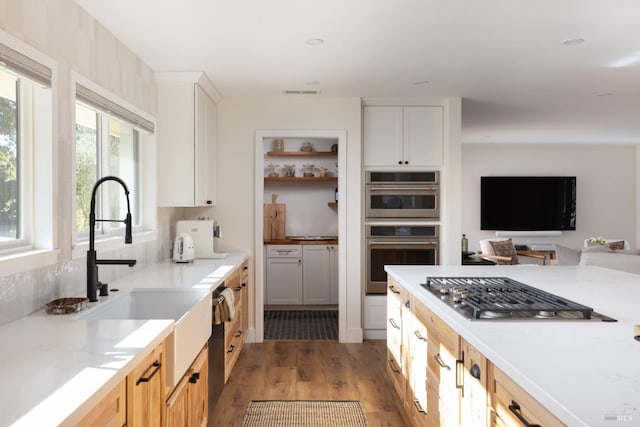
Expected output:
(400, 242)
(403, 188)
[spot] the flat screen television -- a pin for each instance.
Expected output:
(528, 203)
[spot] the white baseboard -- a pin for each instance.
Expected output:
(352, 335)
(375, 334)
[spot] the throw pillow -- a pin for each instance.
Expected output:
(505, 248)
(616, 245)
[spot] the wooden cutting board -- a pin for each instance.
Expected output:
(274, 219)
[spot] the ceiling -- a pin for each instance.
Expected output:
(505, 58)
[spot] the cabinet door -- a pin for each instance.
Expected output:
(316, 276)
(395, 361)
(199, 390)
(417, 365)
(205, 148)
(474, 394)
(145, 391)
(422, 136)
(111, 411)
(178, 404)
(383, 136)
(284, 281)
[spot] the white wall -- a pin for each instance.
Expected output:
(606, 186)
(238, 119)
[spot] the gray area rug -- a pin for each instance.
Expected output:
(301, 325)
(307, 413)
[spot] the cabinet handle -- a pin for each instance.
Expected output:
(392, 289)
(418, 406)
(475, 371)
(246, 267)
(393, 323)
(419, 335)
(231, 348)
(239, 333)
(157, 365)
(284, 251)
(194, 377)
(243, 285)
(408, 303)
(515, 410)
(438, 359)
(209, 202)
(406, 162)
(392, 365)
(399, 162)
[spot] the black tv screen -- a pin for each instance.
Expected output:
(528, 203)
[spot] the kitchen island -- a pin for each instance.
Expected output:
(56, 369)
(584, 372)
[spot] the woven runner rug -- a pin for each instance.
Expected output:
(304, 413)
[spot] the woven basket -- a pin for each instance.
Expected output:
(66, 305)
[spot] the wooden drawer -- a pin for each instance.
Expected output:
(395, 373)
(234, 341)
(512, 406)
(439, 413)
(111, 411)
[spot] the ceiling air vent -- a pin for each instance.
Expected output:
(301, 92)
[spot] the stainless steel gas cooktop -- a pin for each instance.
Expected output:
(504, 298)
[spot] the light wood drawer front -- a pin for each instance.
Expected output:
(514, 406)
(395, 373)
(112, 411)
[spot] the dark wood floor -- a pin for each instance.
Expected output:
(298, 370)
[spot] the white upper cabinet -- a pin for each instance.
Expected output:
(186, 141)
(403, 136)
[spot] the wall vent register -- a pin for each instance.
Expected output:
(504, 298)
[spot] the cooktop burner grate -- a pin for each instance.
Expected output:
(502, 297)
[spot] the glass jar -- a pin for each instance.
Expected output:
(306, 146)
(288, 171)
(278, 145)
(308, 171)
(322, 172)
(272, 171)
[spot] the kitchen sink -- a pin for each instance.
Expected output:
(189, 308)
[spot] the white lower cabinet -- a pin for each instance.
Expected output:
(301, 274)
(284, 275)
(319, 274)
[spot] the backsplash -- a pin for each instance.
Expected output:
(24, 293)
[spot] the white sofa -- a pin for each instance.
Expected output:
(624, 260)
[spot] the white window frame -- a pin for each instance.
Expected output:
(39, 248)
(146, 231)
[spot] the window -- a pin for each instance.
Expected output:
(25, 148)
(105, 146)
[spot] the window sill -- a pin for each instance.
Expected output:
(112, 243)
(27, 261)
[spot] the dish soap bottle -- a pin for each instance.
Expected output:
(465, 244)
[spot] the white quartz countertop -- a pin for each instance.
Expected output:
(587, 373)
(54, 369)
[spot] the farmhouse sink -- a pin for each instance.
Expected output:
(189, 308)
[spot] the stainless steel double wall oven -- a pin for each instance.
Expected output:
(400, 210)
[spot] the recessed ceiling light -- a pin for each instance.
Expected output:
(604, 94)
(314, 42)
(421, 82)
(573, 42)
(312, 83)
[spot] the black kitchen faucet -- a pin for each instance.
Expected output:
(93, 284)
